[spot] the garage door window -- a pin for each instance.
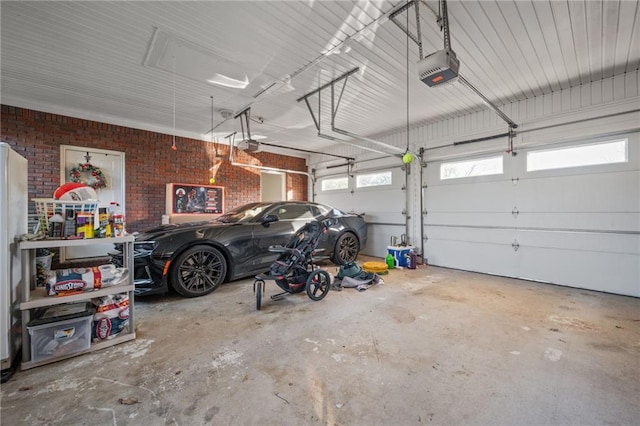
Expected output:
(470, 168)
(373, 179)
(335, 183)
(578, 156)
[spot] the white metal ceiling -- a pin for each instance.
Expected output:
(91, 60)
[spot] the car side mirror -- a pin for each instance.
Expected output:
(268, 219)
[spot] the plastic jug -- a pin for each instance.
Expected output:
(118, 222)
(391, 262)
(412, 259)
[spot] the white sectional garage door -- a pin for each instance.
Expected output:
(383, 206)
(577, 226)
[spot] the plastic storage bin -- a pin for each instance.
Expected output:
(55, 337)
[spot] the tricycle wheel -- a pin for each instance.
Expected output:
(318, 284)
(258, 288)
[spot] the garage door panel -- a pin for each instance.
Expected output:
(472, 235)
(602, 192)
(380, 239)
(576, 222)
(470, 256)
(486, 219)
(381, 201)
(482, 196)
(575, 226)
(595, 270)
(340, 199)
(383, 206)
(384, 217)
(581, 241)
(608, 222)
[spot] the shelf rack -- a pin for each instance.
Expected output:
(33, 297)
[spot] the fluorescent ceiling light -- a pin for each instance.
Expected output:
(223, 80)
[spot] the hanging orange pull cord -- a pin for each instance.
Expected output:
(173, 145)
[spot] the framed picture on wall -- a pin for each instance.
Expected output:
(184, 198)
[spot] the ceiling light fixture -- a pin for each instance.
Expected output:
(223, 80)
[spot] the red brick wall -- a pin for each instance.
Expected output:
(150, 162)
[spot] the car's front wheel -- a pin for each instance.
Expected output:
(198, 271)
(346, 249)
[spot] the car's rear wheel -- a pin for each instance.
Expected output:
(199, 270)
(346, 249)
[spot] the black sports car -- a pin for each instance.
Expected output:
(195, 258)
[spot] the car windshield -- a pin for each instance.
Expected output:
(243, 213)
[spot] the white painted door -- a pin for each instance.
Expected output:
(111, 163)
(577, 226)
(272, 186)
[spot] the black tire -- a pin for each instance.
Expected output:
(346, 249)
(198, 271)
(258, 288)
(318, 285)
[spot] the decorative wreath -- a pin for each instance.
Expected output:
(88, 174)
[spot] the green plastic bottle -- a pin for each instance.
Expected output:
(390, 261)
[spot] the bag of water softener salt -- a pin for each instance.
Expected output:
(111, 317)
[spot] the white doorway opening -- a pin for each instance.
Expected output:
(272, 186)
(111, 164)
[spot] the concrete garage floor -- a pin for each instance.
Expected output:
(430, 346)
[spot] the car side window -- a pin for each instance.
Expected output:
(294, 211)
(317, 212)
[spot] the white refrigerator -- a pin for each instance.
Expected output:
(13, 223)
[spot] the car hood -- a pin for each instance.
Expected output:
(163, 231)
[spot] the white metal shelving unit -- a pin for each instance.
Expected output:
(33, 297)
